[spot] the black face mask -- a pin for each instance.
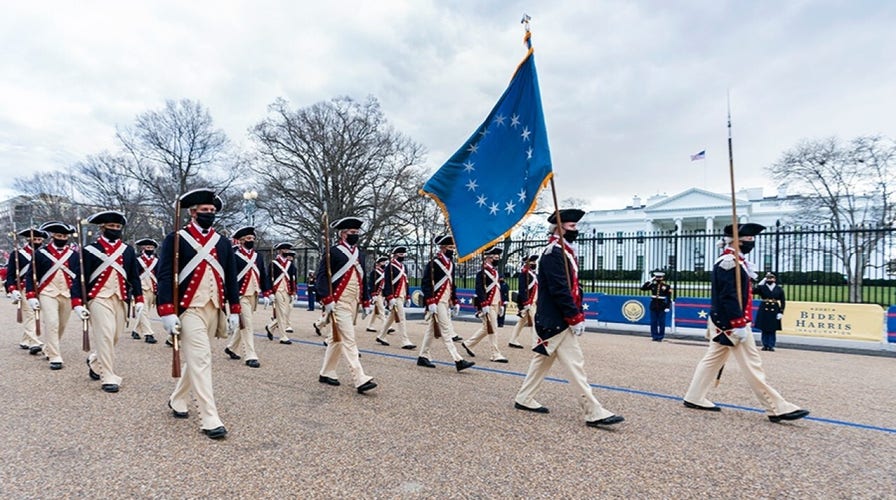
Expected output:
(449, 253)
(205, 219)
(248, 245)
(570, 235)
(112, 234)
(59, 243)
(148, 252)
(532, 266)
(747, 246)
(35, 244)
(352, 239)
(399, 258)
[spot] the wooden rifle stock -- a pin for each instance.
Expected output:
(34, 280)
(85, 327)
(175, 351)
(15, 242)
(489, 329)
(337, 336)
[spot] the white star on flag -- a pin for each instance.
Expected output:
(499, 119)
(493, 209)
(474, 148)
(515, 121)
(481, 200)
(468, 166)
(526, 133)
(585, 307)
(471, 186)
(529, 154)
(509, 207)
(702, 315)
(522, 195)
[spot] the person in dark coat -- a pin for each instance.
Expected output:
(768, 319)
(505, 298)
(660, 303)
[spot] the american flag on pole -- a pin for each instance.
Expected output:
(699, 156)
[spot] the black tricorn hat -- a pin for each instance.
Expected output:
(746, 229)
(399, 249)
(108, 216)
(567, 215)
(443, 240)
(147, 241)
(347, 223)
(201, 197)
(283, 246)
(493, 251)
(243, 231)
(57, 227)
(27, 233)
(382, 259)
(532, 257)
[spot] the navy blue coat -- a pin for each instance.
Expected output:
(522, 294)
(264, 281)
(12, 270)
(130, 265)
(389, 273)
(337, 260)
(725, 310)
(773, 302)
(433, 274)
(557, 308)
(43, 264)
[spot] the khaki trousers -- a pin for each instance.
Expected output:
(144, 326)
(443, 317)
(198, 326)
(54, 313)
(401, 325)
(29, 337)
(282, 308)
(344, 315)
(108, 317)
(489, 316)
(569, 354)
(244, 338)
(522, 324)
(749, 361)
(379, 312)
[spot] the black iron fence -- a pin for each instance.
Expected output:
(815, 264)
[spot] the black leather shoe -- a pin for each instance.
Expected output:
(500, 360)
(149, 339)
(540, 409)
(327, 380)
(110, 387)
(287, 341)
(135, 335)
(457, 338)
(253, 363)
(612, 419)
(409, 347)
(463, 364)
(55, 366)
(381, 341)
(421, 361)
(24, 347)
(93, 375)
(370, 330)
(216, 433)
(692, 406)
(35, 349)
(267, 329)
(366, 386)
(390, 330)
(178, 414)
(317, 330)
(168, 343)
(772, 349)
(764, 348)
(514, 346)
(794, 415)
(472, 355)
(230, 353)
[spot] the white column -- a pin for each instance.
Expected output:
(649, 245)
(678, 244)
(710, 245)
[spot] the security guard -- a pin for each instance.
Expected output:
(254, 287)
(488, 304)
(19, 266)
(395, 294)
(768, 319)
(660, 303)
(147, 260)
(282, 273)
(525, 301)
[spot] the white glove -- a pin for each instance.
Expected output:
(761, 282)
(82, 312)
(328, 308)
(172, 324)
(503, 311)
(455, 310)
(138, 309)
(432, 308)
(16, 296)
(34, 304)
(233, 322)
(666, 310)
(368, 311)
(740, 333)
(578, 328)
(779, 316)
(265, 301)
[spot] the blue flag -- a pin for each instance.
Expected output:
(492, 182)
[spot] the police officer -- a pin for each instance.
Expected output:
(660, 303)
(559, 323)
(729, 330)
(282, 273)
(395, 294)
(19, 266)
(488, 303)
(525, 301)
(254, 286)
(147, 260)
(768, 318)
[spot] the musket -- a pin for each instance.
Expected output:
(734, 228)
(175, 334)
(15, 244)
(529, 311)
(34, 279)
(436, 330)
(337, 337)
(85, 327)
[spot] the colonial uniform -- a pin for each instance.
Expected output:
(559, 311)
(282, 273)
(345, 290)
(112, 276)
(57, 268)
(207, 284)
(395, 293)
(253, 283)
(525, 300)
(489, 303)
(149, 284)
(17, 268)
(440, 296)
(768, 318)
(730, 333)
(660, 302)
(375, 282)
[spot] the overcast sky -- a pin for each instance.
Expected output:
(630, 89)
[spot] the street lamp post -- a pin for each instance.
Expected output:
(250, 206)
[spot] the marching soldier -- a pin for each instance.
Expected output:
(560, 322)
(729, 330)
(55, 293)
(440, 296)
(768, 319)
(345, 289)
(112, 276)
(17, 268)
(660, 303)
(395, 293)
(206, 279)
(147, 261)
(282, 274)
(375, 282)
(253, 285)
(488, 304)
(525, 300)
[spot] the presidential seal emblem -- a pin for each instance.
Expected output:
(633, 310)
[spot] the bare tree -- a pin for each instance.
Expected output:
(340, 155)
(51, 196)
(846, 186)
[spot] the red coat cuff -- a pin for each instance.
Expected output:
(325, 300)
(30, 295)
(138, 299)
(77, 302)
(575, 320)
(235, 308)
(365, 303)
(165, 309)
(738, 323)
(11, 288)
